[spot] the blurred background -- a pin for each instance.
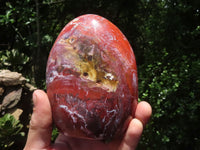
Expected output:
(164, 34)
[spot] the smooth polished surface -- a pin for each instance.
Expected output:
(92, 79)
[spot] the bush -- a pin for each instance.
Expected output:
(10, 131)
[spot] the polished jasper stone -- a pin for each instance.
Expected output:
(91, 79)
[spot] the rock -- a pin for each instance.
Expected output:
(8, 78)
(30, 87)
(16, 113)
(1, 91)
(92, 79)
(15, 92)
(16, 98)
(11, 98)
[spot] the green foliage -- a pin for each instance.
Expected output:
(10, 130)
(13, 60)
(171, 90)
(54, 134)
(169, 79)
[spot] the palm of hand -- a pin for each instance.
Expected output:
(39, 136)
(69, 143)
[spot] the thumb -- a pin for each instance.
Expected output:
(39, 135)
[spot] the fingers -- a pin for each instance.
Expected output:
(132, 135)
(135, 129)
(39, 136)
(143, 112)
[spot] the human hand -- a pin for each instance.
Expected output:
(39, 136)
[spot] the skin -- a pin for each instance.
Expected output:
(39, 136)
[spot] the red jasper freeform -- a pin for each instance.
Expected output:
(91, 79)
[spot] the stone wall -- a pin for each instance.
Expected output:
(15, 96)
